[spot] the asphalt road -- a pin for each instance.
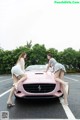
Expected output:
(46, 109)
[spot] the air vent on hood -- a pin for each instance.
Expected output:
(39, 73)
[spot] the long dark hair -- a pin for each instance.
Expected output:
(49, 54)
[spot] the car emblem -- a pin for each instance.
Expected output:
(39, 88)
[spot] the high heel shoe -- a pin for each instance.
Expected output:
(10, 105)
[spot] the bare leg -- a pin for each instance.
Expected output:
(63, 88)
(9, 102)
(23, 78)
(60, 74)
(57, 77)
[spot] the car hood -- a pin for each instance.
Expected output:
(39, 77)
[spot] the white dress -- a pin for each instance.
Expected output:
(56, 66)
(18, 69)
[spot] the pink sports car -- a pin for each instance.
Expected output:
(39, 84)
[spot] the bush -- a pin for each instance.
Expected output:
(37, 55)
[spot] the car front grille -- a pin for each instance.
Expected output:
(39, 88)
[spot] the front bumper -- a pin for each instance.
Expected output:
(49, 96)
(45, 95)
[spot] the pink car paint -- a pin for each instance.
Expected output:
(38, 77)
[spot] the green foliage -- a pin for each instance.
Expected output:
(29, 44)
(69, 58)
(37, 54)
(54, 52)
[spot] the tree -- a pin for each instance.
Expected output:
(29, 44)
(78, 61)
(38, 55)
(68, 58)
(54, 52)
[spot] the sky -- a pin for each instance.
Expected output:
(54, 25)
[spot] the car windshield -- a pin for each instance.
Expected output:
(36, 67)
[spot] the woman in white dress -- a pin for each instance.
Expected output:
(18, 75)
(58, 70)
